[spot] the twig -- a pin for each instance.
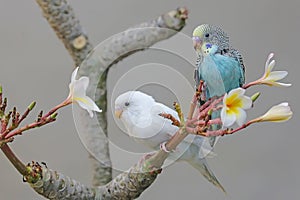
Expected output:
(18, 164)
(1, 94)
(195, 100)
(29, 126)
(175, 122)
(41, 120)
(205, 108)
(15, 122)
(29, 108)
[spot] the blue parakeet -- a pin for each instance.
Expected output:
(218, 65)
(222, 66)
(220, 73)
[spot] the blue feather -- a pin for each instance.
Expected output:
(220, 73)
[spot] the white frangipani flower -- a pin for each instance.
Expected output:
(234, 105)
(271, 77)
(78, 93)
(279, 113)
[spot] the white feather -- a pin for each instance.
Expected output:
(140, 115)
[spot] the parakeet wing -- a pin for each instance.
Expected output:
(154, 129)
(192, 149)
(221, 74)
(236, 54)
(209, 72)
(231, 71)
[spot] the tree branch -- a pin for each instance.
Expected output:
(54, 185)
(109, 52)
(18, 164)
(62, 19)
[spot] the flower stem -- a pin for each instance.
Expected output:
(29, 126)
(240, 128)
(45, 119)
(212, 105)
(53, 110)
(246, 86)
(209, 122)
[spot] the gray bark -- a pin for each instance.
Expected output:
(127, 185)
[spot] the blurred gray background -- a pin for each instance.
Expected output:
(261, 162)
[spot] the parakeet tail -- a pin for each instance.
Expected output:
(202, 166)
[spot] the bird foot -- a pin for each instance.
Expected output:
(163, 147)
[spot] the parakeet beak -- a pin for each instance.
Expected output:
(118, 113)
(197, 43)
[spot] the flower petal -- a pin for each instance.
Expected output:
(88, 104)
(78, 93)
(272, 83)
(280, 108)
(226, 118)
(237, 91)
(80, 86)
(277, 75)
(246, 102)
(241, 117)
(223, 113)
(270, 77)
(234, 105)
(224, 99)
(271, 55)
(84, 80)
(71, 88)
(234, 96)
(283, 104)
(278, 113)
(74, 74)
(270, 67)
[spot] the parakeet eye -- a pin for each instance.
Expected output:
(207, 35)
(126, 103)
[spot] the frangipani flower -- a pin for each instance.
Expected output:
(234, 105)
(278, 113)
(271, 77)
(78, 93)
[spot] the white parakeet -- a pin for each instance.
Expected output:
(140, 114)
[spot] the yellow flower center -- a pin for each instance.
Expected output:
(232, 103)
(83, 100)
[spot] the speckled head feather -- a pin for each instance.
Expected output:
(212, 34)
(199, 30)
